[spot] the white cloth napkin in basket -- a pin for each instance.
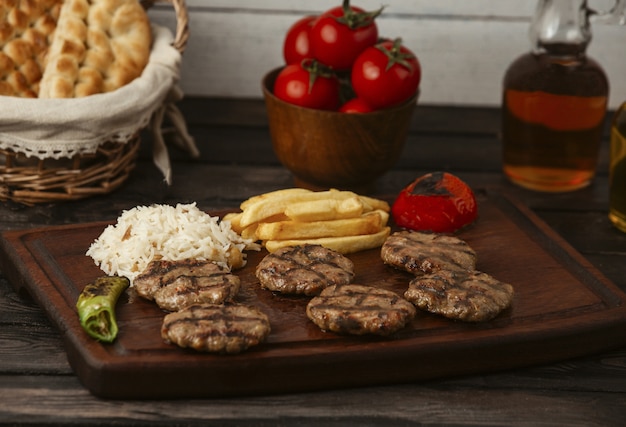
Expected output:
(62, 128)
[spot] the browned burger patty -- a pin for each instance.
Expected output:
(471, 296)
(174, 285)
(304, 270)
(419, 253)
(216, 328)
(358, 310)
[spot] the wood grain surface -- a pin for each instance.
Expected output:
(562, 308)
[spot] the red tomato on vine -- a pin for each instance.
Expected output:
(386, 74)
(297, 44)
(308, 84)
(340, 34)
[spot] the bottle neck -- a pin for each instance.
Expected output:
(560, 28)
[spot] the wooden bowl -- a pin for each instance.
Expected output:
(328, 149)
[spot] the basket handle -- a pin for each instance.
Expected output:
(182, 21)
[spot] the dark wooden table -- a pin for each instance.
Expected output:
(38, 387)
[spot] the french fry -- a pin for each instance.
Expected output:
(372, 204)
(278, 193)
(340, 220)
(234, 219)
(369, 223)
(384, 215)
(325, 209)
(344, 245)
(277, 203)
(250, 232)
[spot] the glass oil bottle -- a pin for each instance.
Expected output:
(554, 103)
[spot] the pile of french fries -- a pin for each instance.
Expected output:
(340, 220)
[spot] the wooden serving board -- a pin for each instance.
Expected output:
(562, 308)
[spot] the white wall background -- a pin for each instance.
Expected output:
(464, 46)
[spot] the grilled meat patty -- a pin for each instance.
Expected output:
(471, 296)
(174, 285)
(419, 253)
(304, 270)
(358, 310)
(217, 328)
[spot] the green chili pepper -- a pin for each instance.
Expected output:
(96, 307)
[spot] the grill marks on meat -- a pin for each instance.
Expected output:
(446, 280)
(185, 290)
(304, 270)
(358, 310)
(199, 294)
(226, 328)
(471, 296)
(425, 253)
(174, 285)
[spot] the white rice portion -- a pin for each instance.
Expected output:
(146, 233)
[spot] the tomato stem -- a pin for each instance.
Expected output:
(316, 69)
(396, 56)
(354, 20)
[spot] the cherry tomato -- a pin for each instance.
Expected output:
(386, 74)
(439, 202)
(340, 34)
(308, 84)
(297, 46)
(355, 105)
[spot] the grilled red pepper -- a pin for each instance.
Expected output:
(439, 202)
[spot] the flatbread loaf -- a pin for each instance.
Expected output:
(26, 29)
(98, 46)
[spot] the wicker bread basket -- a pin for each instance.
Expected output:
(30, 180)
